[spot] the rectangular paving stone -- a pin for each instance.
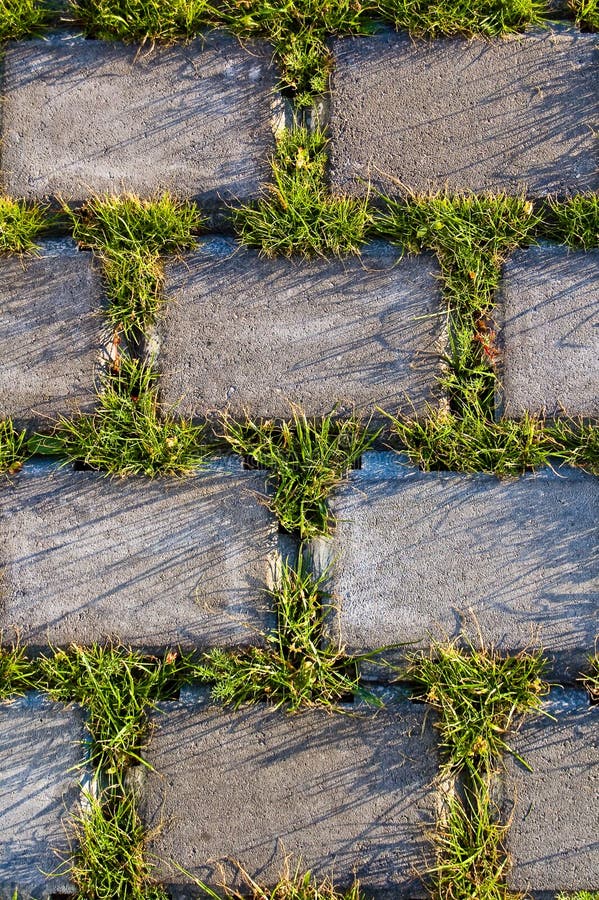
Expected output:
(254, 334)
(549, 308)
(506, 114)
(418, 555)
(51, 334)
(81, 117)
(40, 744)
(553, 839)
(152, 563)
(346, 793)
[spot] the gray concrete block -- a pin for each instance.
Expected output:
(346, 793)
(40, 744)
(549, 312)
(152, 563)
(51, 334)
(81, 117)
(553, 839)
(498, 115)
(252, 334)
(417, 555)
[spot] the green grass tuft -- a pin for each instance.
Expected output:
(307, 459)
(22, 19)
(130, 236)
(298, 215)
(21, 224)
(292, 885)
(13, 448)
(117, 687)
(128, 434)
(17, 672)
(143, 21)
(574, 222)
(109, 861)
(293, 670)
(579, 895)
(586, 13)
(434, 18)
(479, 697)
(591, 680)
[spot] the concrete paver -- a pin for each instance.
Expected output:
(40, 744)
(498, 115)
(152, 563)
(252, 334)
(51, 334)
(81, 117)
(343, 792)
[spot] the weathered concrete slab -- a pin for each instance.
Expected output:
(83, 117)
(550, 332)
(50, 334)
(343, 792)
(153, 563)
(252, 334)
(553, 839)
(40, 744)
(419, 555)
(490, 115)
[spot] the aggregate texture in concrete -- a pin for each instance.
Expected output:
(553, 839)
(483, 115)
(549, 311)
(252, 334)
(40, 744)
(82, 116)
(344, 793)
(51, 334)
(419, 554)
(151, 563)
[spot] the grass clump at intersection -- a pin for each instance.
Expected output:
(128, 434)
(117, 687)
(479, 696)
(130, 236)
(574, 222)
(13, 448)
(22, 19)
(292, 670)
(297, 215)
(17, 672)
(435, 18)
(21, 224)
(307, 458)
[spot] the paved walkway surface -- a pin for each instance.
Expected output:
(415, 556)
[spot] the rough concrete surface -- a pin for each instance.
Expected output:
(82, 117)
(153, 563)
(252, 334)
(480, 115)
(40, 744)
(553, 839)
(420, 554)
(549, 307)
(341, 792)
(50, 334)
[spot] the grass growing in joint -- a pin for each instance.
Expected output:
(109, 862)
(592, 679)
(292, 885)
(574, 222)
(307, 459)
(433, 18)
(298, 215)
(20, 225)
(128, 434)
(117, 687)
(130, 235)
(146, 21)
(293, 670)
(13, 448)
(17, 672)
(479, 697)
(586, 13)
(22, 19)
